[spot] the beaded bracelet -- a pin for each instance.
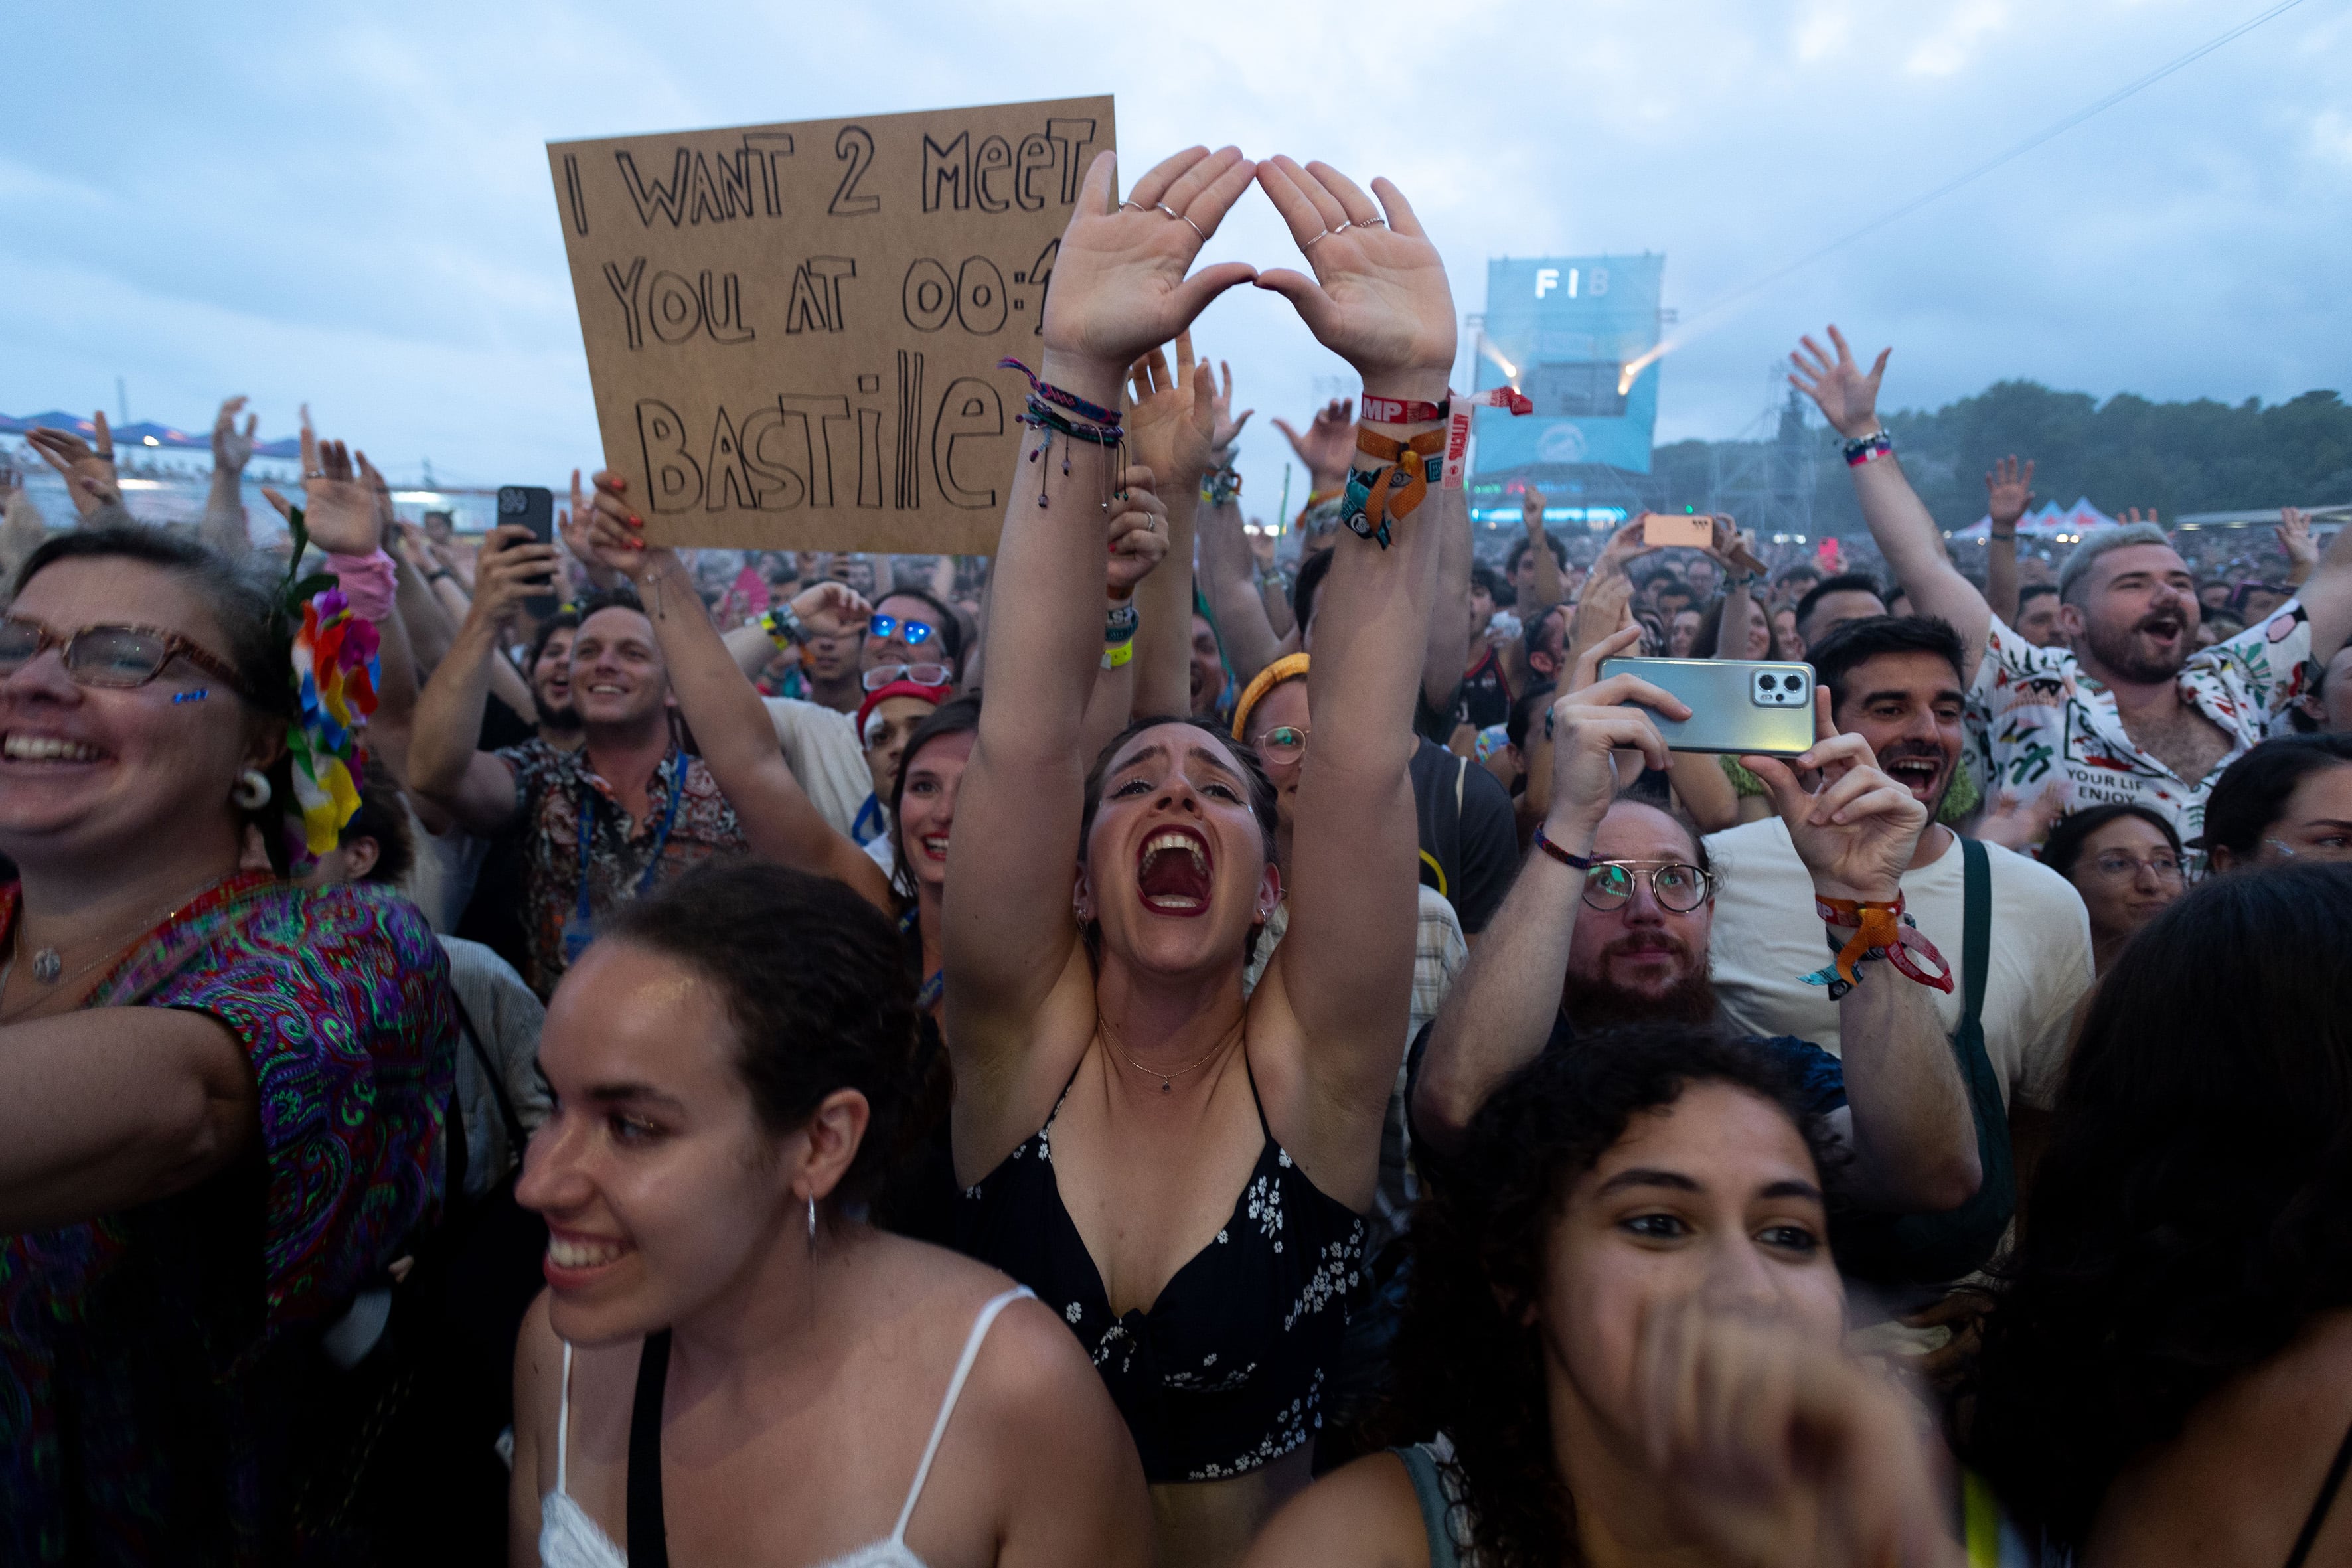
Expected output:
(1863, 448)
(1219, 486)
(1573, 862)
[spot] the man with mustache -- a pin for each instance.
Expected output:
(2144, 717)
(1610, 924)
(1894, 683)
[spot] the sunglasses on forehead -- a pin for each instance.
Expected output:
(913, 633)
(115, 657)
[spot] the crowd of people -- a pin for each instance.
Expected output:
(569, 1051)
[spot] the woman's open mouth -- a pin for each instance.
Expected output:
(574, 1260)
(1172, 872)
(17, 746)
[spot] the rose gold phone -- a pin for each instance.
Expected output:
(1666, 529)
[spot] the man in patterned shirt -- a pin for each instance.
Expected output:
(630, 809)
(2124, 708)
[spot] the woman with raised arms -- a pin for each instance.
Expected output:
(1180, 1172)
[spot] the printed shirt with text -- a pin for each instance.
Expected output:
(2036, 716)
(551, 788)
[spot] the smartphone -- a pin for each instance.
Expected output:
(1736, 706)
(1667, 530)
(533, 506)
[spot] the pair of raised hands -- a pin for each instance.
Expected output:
(1377, 297)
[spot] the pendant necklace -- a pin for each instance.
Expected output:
(50, 964)
(1166, 1080)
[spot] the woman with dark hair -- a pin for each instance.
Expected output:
(2125, 861)
(728, 1363)
(1622, 1340)
(222, 1096)
(2288, 799)
(1180, 1171)
(2167, 1374)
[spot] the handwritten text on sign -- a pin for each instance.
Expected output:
(793, 330)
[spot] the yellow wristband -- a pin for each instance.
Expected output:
(1117, 654)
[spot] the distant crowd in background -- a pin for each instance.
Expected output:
(1181, 1041)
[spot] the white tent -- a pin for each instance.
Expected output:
(2047, 522)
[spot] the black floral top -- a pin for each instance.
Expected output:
(1226, 1371)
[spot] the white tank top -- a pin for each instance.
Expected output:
(568, 1538)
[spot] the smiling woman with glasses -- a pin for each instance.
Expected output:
(2125, 861)
(222, 1095)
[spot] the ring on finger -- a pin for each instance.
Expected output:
(1133, 207)
(1374, 222)
(1309, 244)
(1179, 217)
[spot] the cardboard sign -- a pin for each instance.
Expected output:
(792, 330)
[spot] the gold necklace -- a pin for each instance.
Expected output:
(1166, 1080)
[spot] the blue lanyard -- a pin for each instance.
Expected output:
(676, 778)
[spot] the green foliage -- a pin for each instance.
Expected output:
(2178, 458)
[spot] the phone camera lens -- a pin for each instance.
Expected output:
(1766, 682)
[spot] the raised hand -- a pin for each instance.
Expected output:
(2293, 534)
(1847, 397)
(1781, 1452)
(2020, 822)
(1588, 727)
(1138, 529)
(1603, 625)
(616, 536)
(338, 503)
(1328, 445)
(86, 467)
(1857, 834)
(2008, 493)
(1173, 425)
(1531, 510)
(1261, 543)
(1379, 297)
(232, 447)
(1221, 399)
(572, 526)
(1119, 284)
(513, 566)
(830, 609)
(2132, 515)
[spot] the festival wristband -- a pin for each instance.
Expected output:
(1392, 491)
(1880, 930)
(1219, 486)
(1069, 400)
(1457, 425)
(1403, 410)
(783, 627)
(1573, 862)
(1115, 656)
(1119, 623)
(1863, 448)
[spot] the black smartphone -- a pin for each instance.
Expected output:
(533, 506)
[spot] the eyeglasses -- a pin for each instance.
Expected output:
(115, 657)
(913, 634)
(1677, 887)
(882, 674)
(1283, 745)
(2117, 866)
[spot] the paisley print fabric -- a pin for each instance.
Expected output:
(153, 1362)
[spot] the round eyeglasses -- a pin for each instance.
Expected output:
(117, 657)
(2118, 867)
(1677, 887)
(882, 674)
(1283, 745)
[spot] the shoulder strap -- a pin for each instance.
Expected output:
(563, 1419)
(1976, 927)
(516, 1136)
(2320, 1505)
(1461, 783)
(1429, 1491)
(648, 1534)
(947, 1406)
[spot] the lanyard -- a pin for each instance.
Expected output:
(676, 778)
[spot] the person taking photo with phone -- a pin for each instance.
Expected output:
(630, 809)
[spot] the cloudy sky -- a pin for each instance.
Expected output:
(354, 208)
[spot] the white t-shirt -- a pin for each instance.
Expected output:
(878, 849)
(1765, 935)
(821, 747)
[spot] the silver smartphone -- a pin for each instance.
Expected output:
(1736, 706)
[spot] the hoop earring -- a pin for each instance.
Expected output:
(252, 791)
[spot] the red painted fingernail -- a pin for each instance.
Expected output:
(636, 521)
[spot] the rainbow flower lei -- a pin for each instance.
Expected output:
(337, 669)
